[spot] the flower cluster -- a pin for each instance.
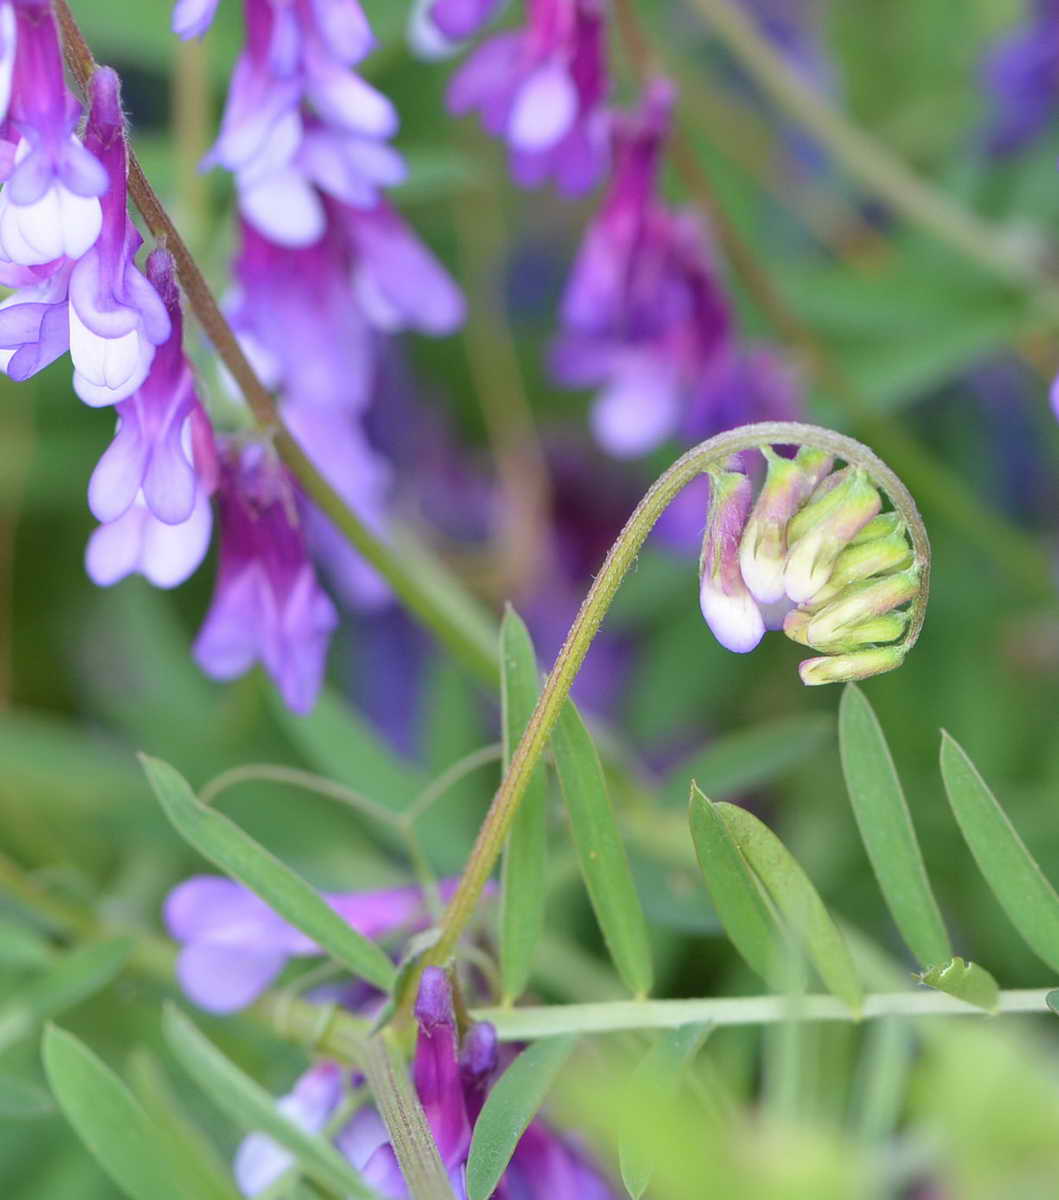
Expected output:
(645, 319)
(326, 268)
(813, 555)
(452, 1081)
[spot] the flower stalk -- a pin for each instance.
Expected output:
(709, 455)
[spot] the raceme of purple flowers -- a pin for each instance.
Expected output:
(452, 1081)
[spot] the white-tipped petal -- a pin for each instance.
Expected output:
(733, 617)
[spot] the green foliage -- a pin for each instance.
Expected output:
(601, 852)
(509, 1108)
(524, 879)
(225, 844)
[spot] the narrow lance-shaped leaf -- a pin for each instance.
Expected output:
(732, 888)
(70, 979)
(886, 829)
(220, 840)
(797, 900)
(508, 1110)
(1010, 869)
(524, 873)
(252, 1108)
(129, 1146)
(662, 1067)
(601, 852)
(966, 981)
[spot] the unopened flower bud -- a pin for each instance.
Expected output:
(727, 605)
(858, 603)
(844, 668)
(763, 550)
(873, 631)
(881, 526)
(835, 513)
(863, 560)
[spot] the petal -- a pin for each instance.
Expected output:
(638, 409)
(222, 978)
(172, 553)
(113, 550)
(544, 110)
(436, 1070)
(284, 207)
(191, 18)
(205, 903)
(228, 642)
(119, 472)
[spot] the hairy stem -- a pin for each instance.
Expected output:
(712, 453)
(457, 624)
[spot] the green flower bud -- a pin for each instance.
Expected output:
(858, 603)
(861, 560)
(836, 512)
(883, 525)
(844, 668)
(871, 632)
(763, 550)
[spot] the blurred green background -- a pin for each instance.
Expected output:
(944, 361)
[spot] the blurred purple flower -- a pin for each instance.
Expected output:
(267, 604)
(1021, 74)
(235, 945)
(457, 20)
(452, 1083)
(50, 206)
(543, 90)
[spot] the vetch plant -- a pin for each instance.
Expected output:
(459, 1048)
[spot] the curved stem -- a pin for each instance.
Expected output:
(709, 454)
(454, 622)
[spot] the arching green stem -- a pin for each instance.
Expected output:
(709, 454)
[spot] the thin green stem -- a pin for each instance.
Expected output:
(524, 1024)
(451, 776)
(320, 784)
(709, 454)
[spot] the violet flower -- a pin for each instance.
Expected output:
(34, 319)
(644, 319)
(50, 203)
(1021, 74)
(458, 20)
(234, 945)
(452, 1083)
(116, 317)
(543, 90)
(151, 487)
(267, 604)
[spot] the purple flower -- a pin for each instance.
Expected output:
(152, 449)
(644, 319)
(267, 604)
(1021, 73)
(191, 18)
(50, 206)
(452, 1083)
(8, 46)
(35, 319)
(234, 945)
(727, 605)
(137, 542)
(543, 89)
(458, 20)
(116, 317)
(296, 63)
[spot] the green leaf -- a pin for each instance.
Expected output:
(252, 1108)
(73, 978)
(23, 1100)
(966, 981)
(1010, 869)
(107, 1118)
(221, 841)
(1052, 1000)
(660, 1069)
(508, 1109)
(337, 742)
(741, 761)
(604, 863)
(22, 947)
(794, 896)
(525, 867)
(886, 829)
(735, 895)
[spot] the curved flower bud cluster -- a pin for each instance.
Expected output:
(645, 318)
(452, 1078)
(814, 555)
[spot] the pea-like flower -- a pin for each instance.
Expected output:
(543, 88)
(452, 1082)
(812, 555)
(267, 605)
